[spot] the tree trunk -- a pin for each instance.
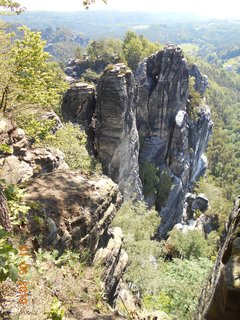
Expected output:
(4, 212)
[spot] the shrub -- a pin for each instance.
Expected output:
(34, 127)
(8, 258)
(172, 286)
(163, 188)
(15, 199)
(72, 141)
(149, 177)
(187, 245)
(181, 282)
(90, 76)
(195, 100)
(143, 252)
(57, 311)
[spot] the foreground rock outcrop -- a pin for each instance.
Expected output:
(76, 210)
(220, 299)
(19, 161)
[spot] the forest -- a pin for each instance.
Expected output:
(166, 275)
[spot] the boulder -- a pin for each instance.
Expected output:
(201, 203)
(15, 171)
(54, 118)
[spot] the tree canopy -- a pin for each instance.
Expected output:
(11, 5)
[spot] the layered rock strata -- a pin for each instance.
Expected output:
(76, 210)
(78, 104)
(115, 261)
(116, 135)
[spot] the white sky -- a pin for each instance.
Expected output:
(213, 8)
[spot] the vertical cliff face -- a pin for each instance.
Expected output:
(116, 135)
(143, 127)
(220, 299)
(171, 140)
(79, 104)
(163, 91)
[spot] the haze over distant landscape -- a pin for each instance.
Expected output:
(206, 8)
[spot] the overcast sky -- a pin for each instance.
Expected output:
(213, 8)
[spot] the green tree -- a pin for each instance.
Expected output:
(7, 83)
(11, 5)
(78, 53)
(38, 81)
(135, 48)
(187, 245)
(107, 50)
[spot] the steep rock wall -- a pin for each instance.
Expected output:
(172, 141)
(220, 298)
(116, 135)
(144, 118)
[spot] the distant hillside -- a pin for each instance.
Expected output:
(215, 41)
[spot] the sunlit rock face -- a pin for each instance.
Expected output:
(171, 140)
(116, 135)
(19, 161)
(143, 132)
(220, 298)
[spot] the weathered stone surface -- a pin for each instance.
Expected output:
(199, 134)
(115, 261)
(19, 162)
(163, 91)
(76, 68)
(77, 210)
(116, 135)
(78, 104)
(153, 106)
(201, 81)
(171, 140)
(207, 223)
(201, 203)
(15, 171)
(220, 299)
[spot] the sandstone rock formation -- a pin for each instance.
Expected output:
(18, 161)
(220, 299)
(78, 104)
(144, 119)
(116, 135)
(76, 210)
(172, 140)
(201, 81)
